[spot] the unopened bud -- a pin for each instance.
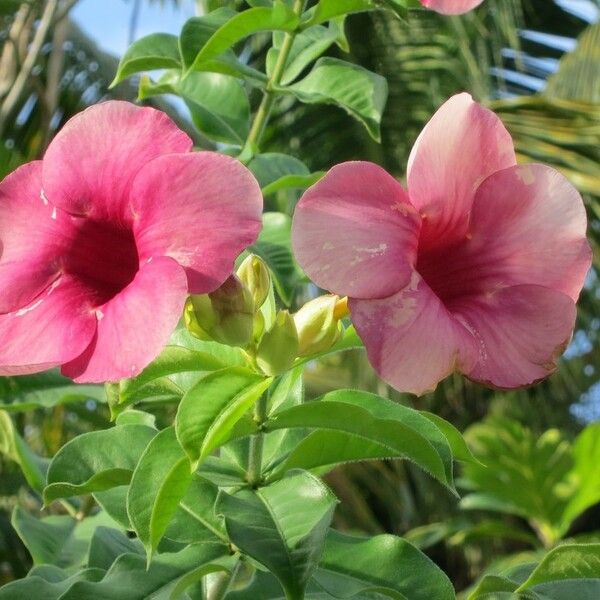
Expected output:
(225, 315)
(254, 274)
(318, 325)
(278, 347)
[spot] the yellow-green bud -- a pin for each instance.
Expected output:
(254, 274)
(225, 315)
(317, 325)
(258, 326)
(199, 309)
(278, 347)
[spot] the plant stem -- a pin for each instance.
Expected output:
(264, 110)
(255, 456)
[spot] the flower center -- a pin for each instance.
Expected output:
(454, 271)
(103, 256)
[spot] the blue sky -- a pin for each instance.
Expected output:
(107, 21)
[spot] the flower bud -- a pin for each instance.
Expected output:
(254, 274)
(225, 315)
(278, 347)
(318, 325)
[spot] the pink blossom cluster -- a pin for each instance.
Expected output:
(476, 268)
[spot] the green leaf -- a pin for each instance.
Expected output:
(108, 544)
(460, 449)
(586, 456)
(154, 51)
(114, 503)
(53, 588)
(327, 9)
(307, 47)
(385, 564)
(136, 417)
(295, 182)
(567, 563)
(173, 359)
(274, 246)
(218, 103)
(361, 93)
(96, 461)
(198, 30)
(167, 578)
(160, 480)
(57, 540)
(196, 517)
(269, 167)
(44, 390)
(282, 526)
(355, 425)
(14, 447)
(209, 411)
(248, 22)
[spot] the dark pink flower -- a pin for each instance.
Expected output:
(477, 268)
(102, 241)
(451, 7)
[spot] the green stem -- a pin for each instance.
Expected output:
(264, 110)
(257, 441)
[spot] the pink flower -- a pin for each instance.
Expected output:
(102, 241)
(451, 7)
(476, 269)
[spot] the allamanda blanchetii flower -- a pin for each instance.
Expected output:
(451, 7)
(477, 268)
(102, 241)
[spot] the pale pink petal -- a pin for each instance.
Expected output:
(462, 145)
(522, 330)
(201, 209)
(28, 238)
(530, 223)
(527, 226)
(451, 7)
(412, 341)
(134, 326)
(89, 166)
(57, 326)
(355, 232)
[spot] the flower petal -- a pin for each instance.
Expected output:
(412, 341)
(53, 329)
(462, 144)
(134, 326)
(355, 233)
(451, 7)
(201, 209)
(89, 166)
(522, 330)
(530, 224)
(28, 236)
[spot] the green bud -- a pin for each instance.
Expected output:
(317, 325)
(254, 274)
(199, 309)
(278, 347)
(258, 326)
(225, 315)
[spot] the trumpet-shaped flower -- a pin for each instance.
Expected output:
(477, 268)
(451, 7)
(102, 241)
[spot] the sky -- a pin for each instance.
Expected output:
(107, 21)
